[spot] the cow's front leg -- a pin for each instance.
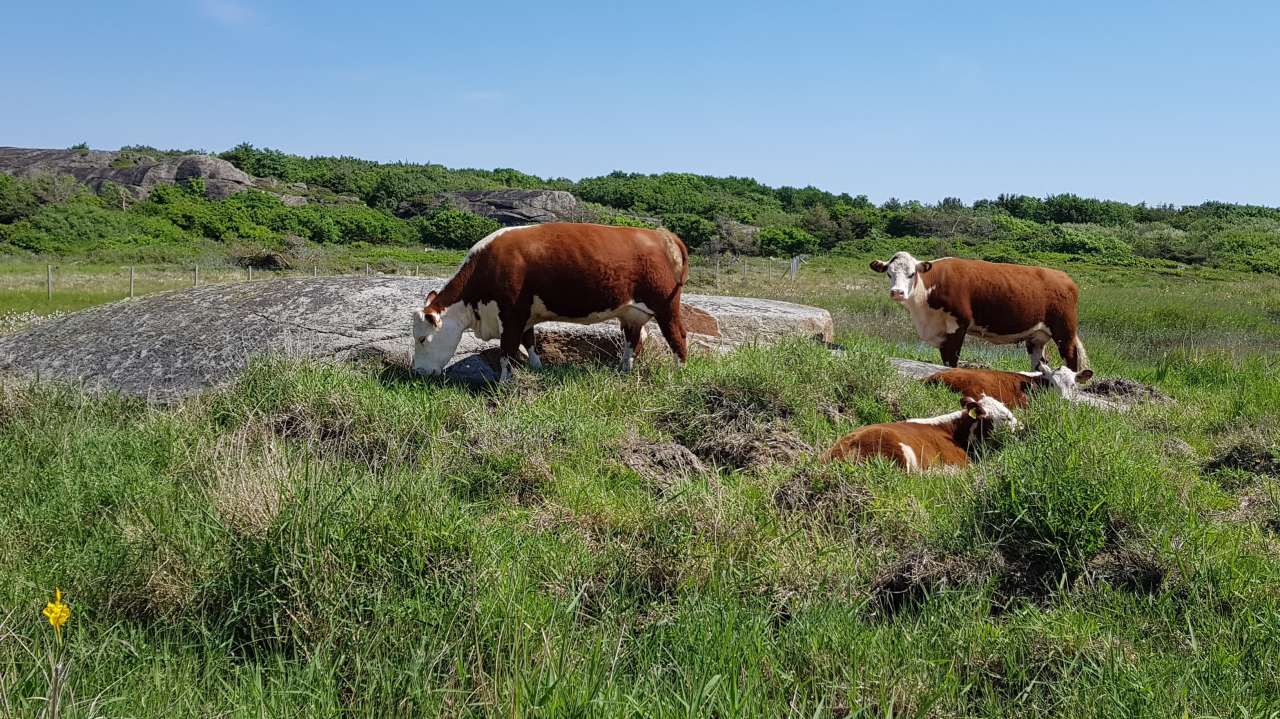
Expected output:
(535, 362)
(951, 346)
(513, 331)
(633, 334)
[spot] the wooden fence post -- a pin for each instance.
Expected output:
(48, 281)
(195, 275)
(131, 277)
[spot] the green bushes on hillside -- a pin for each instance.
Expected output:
(707, 212)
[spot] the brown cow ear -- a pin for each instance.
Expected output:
(972, 405)
(879, 266)
(431, 296)
(1084, 376)
(924, 267)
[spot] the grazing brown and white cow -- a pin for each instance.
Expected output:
(562, 272)
(920, 444)
(1011, 388)
(1001, 303)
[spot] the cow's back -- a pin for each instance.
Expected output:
(912, 445)
(1004, 298)
(1008, 387)
(574, 269)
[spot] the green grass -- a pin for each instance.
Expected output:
(333, 540)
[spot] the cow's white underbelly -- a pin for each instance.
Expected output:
(487, 322)
(629, 313)
(1039, 330)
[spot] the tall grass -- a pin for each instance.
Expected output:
(336, 540)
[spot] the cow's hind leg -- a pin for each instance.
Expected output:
(673, 330)
(535, 362)
(1070, 346)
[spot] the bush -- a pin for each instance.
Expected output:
(454, 229)
(17, 200)
(694, 230)
(786, 242)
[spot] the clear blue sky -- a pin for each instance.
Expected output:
(1157, 101)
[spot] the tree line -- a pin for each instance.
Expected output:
(355, 200)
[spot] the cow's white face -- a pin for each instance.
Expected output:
(1063, 380)
(992, 410)
(902, 270)
(435, 338)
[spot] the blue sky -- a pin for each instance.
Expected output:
(1137, 101)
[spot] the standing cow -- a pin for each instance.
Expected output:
(1001, 303)
(561, 272)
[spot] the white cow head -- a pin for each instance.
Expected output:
(1062, 380)
(436, 333)
(902, 269)
(991, 413)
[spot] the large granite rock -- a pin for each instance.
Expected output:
(175, 344)
(517, 207)
(135, 172)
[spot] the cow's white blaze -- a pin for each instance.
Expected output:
(433, 346)
(1063, 380)
(998, 413)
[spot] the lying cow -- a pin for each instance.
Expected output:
(920, 444)
(1001, 303)
(1011, 388)
(562, 272)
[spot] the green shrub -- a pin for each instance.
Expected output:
(786, 241)
(17, 200)
(694, 230)
(454, 229)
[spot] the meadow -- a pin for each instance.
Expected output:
(324, 540)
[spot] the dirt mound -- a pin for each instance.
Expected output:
(909, 582)
(1125, 389)
(746, 444)
(1253, 455)
(821, 492)
(664, 465)
(1140, 572)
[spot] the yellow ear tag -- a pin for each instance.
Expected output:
(973, 413)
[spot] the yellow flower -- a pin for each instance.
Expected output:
(57, 613)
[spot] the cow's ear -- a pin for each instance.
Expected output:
(924, 267)
(433, 318)
(879, 266)
(1084, 376)
(972, 406)
(431, 297)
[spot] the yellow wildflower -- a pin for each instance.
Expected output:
(57, 613)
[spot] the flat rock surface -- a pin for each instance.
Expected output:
(175, 344)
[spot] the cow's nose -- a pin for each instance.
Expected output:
(897, 294)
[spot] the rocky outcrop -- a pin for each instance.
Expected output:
(175, 344)
(507, 207)
(138, 173)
